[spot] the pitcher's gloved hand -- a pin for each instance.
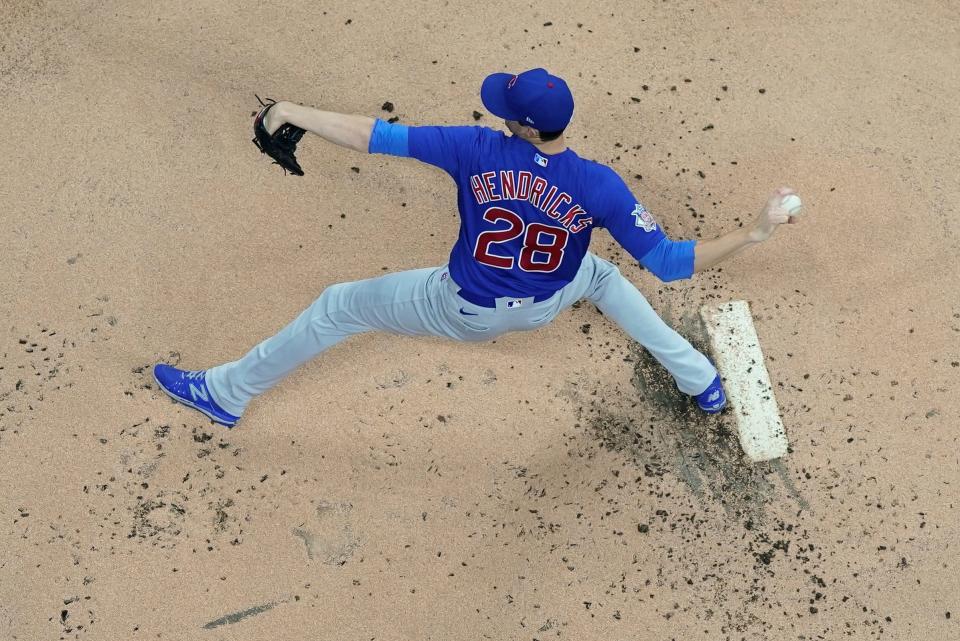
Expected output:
(282, 144)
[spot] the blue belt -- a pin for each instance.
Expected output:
(486, 301)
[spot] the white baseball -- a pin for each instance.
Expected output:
(792, 204)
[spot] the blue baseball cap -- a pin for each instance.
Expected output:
(533, 98)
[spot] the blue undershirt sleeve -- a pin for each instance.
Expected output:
(670, 259)
(637, 231)
(389, 138)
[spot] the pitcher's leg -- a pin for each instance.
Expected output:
(402, 303)
(618, 299)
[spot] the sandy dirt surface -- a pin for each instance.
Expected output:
(550, 485)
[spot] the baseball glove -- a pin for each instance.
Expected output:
(282, 145)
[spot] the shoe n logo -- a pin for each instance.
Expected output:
(199, 391)
(714, 396)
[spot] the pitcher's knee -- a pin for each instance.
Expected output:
(326, 315)
(332, 299)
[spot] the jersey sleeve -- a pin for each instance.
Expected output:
(389, 138)
(448, 148)
(631, 225)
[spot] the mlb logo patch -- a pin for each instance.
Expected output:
(540, 160)
(515, 303)
(644, 218)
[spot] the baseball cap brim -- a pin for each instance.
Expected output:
(493, 94)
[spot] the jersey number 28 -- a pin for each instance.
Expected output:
(539, 242)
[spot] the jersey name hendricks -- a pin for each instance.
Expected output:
(509, 185)
(524, 227)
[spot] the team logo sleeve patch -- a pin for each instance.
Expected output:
(643, 218)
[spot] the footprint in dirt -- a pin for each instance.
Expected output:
(329, 538)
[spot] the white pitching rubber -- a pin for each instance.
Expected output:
(745, 379)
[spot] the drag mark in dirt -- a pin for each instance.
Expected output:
(781, 470)
(236, 617)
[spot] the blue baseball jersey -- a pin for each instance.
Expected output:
(526, 217)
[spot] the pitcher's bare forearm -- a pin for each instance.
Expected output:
(709, 253)
(346, 130)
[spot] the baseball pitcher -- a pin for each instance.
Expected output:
(528, 206)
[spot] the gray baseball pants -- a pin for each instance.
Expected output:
(425, 302)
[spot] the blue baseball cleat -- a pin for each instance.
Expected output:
(712, 399)
(190, 388)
